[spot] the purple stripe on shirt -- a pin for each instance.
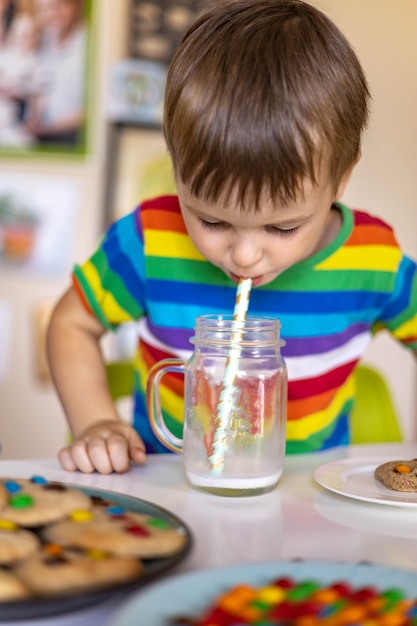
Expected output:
(138, 223)
(303, 346)
(177, 337)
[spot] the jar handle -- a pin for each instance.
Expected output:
(153, 400)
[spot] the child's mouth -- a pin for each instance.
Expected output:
(256, 280)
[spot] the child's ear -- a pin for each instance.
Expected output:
(346, 177)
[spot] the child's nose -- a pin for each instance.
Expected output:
(245, 252)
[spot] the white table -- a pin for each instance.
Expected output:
(299, 519)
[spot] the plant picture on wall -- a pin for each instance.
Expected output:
(37, 224)
(44, 76)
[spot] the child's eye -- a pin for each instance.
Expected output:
(283, 232)
(212, 225)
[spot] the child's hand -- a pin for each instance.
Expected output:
(106, 447)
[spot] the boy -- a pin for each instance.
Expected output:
(265, 107)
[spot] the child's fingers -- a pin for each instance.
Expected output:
(137, 454)
(75, 457)
(66, 461)
(118, 452)
(137, 450)
(99, 450)
(109, 448)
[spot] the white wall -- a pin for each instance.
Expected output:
(384, 34)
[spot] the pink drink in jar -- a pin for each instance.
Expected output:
(252, 441)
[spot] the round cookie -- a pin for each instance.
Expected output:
(16, 543)
(117, 531)
(3, 496)
(398, 475)
(11, 588)
(34, 502)
(57, 571)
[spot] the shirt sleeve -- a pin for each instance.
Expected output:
(400, 313)
(111, 283)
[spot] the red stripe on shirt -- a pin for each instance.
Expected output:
(300, 389)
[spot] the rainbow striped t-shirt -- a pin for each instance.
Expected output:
(330, 305)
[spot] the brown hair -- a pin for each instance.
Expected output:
(259, 94)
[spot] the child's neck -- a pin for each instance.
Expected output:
(333, 226)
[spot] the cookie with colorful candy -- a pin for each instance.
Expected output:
(57, 540)
(16, 543)
(117, 531)
(3, 495)
(11, 587)
(58, 571)
(36, 501)
(398, 475)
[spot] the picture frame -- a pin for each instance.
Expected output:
(36, 239)
(156, 27)
(141, 168)
(45, 80)
(136, 92)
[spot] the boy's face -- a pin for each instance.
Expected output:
(263, 244)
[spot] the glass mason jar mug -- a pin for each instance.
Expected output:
(234, 405)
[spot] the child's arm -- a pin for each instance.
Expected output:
(101, 441)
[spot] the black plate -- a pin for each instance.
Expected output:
(47, 607)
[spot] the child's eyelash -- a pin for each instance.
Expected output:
(289, 232)
(211, 225)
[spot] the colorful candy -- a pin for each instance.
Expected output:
(6, 524)
(307, 603)
(21, 501)
(81, 515)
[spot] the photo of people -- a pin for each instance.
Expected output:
(43, 74)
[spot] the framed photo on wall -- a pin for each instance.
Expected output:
(45, 64)
(136, 92)
(157, 26)
(35, 237)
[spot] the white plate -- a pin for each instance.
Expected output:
(396, 522)
(191, 594)
(354, 478)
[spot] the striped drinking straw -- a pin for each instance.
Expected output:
(225, 405)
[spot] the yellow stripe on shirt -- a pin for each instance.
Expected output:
(406, 330)
(170, 244)
(105, 300)
(171, 402)
(300, 429)
(381, 258)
